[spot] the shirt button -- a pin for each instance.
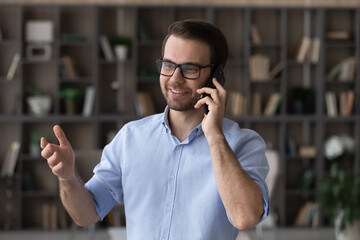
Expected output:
(172, 176)
(178, 147)
(168, 208)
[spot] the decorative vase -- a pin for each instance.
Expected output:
(39, 105)
(121, 52)
(351, 232)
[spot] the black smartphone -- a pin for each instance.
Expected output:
(220, 77)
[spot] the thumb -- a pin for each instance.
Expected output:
(60, 135)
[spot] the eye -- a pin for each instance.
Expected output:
(190, 68)
(168, 65)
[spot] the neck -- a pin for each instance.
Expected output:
(182, 122)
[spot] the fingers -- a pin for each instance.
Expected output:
(49, 150)
(60, 135)
(53, 160)
(43, 143)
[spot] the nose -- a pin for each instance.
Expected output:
(177, 76)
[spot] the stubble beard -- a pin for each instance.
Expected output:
(180, 104)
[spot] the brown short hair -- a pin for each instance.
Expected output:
(202, 31)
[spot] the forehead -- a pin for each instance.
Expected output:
(180, 50)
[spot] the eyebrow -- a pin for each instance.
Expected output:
(192, 63)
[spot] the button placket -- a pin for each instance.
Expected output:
(170, 196)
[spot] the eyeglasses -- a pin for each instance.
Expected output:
(188, 70)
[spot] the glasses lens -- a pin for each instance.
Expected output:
(166, 68)
(190, 71)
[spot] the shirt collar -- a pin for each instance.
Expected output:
(196, 131)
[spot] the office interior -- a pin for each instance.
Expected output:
(292, 76)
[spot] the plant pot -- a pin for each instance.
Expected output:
(34, 150)
(39, 105)
(351, 232)
(121, 52)
(70, 107)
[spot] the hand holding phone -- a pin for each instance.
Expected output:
(220, 77)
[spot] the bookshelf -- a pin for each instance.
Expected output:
(299, 119)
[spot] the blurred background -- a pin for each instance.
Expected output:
(89, 65)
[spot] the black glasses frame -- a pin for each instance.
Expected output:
(160, 62)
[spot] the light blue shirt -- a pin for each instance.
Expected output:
(167, 186)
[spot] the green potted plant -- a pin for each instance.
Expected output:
(121, 45)
(34, 147)
(38, 101)
(340, 195)
(71, 97)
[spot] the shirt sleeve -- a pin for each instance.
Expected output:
(106, 183)
(249, 149)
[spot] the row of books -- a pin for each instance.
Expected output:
(54, 217)
(308, 215)
(308, 50)
(260, 68)
(236, 104)
(343, 71)
(339, 104)
(303, 151)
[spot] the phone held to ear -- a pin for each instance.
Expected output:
(220, 77)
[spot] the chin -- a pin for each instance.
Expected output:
(189, 106)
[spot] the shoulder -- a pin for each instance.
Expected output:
(146, 122)
(233, 132)
(141, 127)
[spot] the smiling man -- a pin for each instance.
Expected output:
(181, 174)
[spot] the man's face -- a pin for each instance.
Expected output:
(180, 93)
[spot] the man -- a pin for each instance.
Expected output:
(181, 174)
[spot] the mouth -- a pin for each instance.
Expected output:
(177, 91)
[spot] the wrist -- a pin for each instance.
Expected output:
(68, 181)
(215, 137)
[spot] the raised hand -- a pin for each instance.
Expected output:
(60, 158)
(212, 122)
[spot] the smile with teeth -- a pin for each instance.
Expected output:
(177, 91)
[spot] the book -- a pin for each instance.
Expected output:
(89, 101)
(307, 151)
(272, 105)
(307, 215)
(334, 72)
(275, 70)
(236, 103)
(338, 35)
(346, 100)
(46, 216)
(303, 49)
(256, 103)
(106, 48)
(69, 65)
(11, 158)
(63, 219)
(14, 65)
(290, 146)
(331, 104)
(315, 50)
(255, 34)
(259, 67)
(49, 216)
(347, 69)
(144, 104)
(342, 103)
(350, 97)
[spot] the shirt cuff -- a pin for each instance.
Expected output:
(103, 199)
